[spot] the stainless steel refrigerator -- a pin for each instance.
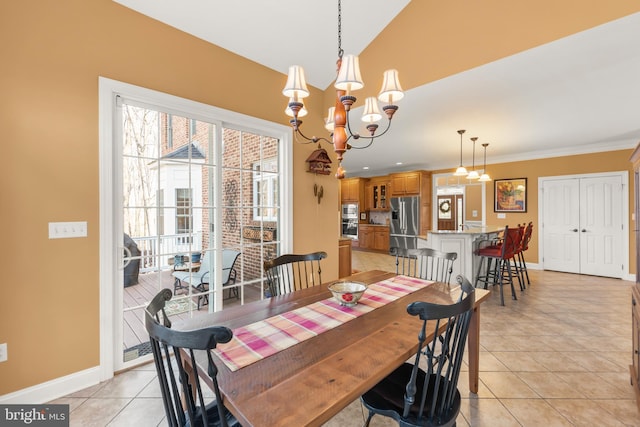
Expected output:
(405, 222)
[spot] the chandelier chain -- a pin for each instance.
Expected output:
(340, 51)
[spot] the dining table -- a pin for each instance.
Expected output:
(307, 383)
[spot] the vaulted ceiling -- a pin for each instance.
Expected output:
(533, 80)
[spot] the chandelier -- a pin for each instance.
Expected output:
(337, 122)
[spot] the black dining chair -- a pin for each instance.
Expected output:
(413, 396)
(184, 402)
(425, 263)
(291, 272)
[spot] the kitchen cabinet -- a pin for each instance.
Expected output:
(344, 258)
(635, 290)
(377, 195)
(406, 184)
(374, 237)
(352, 190)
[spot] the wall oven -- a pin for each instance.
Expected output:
(350, 220)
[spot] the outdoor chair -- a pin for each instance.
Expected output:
(288, 273)
(184, 403)
(200, 279)
(413, 396)
(424, 263)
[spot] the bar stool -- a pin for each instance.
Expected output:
(502, 254)
(522, 265)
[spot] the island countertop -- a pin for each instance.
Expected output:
(474, 230)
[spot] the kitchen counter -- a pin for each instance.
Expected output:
(464, 243)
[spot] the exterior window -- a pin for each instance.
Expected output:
(183, 210)
(193, 129)
(265, 191)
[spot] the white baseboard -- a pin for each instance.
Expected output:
(54, 389)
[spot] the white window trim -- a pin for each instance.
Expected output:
(258, 178)
(108, 91)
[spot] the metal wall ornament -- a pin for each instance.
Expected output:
(318, 192)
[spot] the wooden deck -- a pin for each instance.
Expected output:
(149, 284)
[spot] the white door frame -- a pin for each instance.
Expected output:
(110, 219)
(624, 175)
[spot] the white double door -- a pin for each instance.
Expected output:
(583, 224)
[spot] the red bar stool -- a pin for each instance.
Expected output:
(502, 254)
(522, 265)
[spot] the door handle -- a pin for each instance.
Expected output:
(575, 230)
(583, 230)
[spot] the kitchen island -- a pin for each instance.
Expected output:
(464, 243)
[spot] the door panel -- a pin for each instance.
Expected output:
(601, 226)
(561, 222)
(583, 225)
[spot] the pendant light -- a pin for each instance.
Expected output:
(474, 173)
(461, 171)
(485, 176)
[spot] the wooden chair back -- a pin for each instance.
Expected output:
(424, 263)
(170, 349)
(291, 272)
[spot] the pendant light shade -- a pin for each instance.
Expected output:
(473, 174)
(329, 121)
(461, 171)
(349, 77)
(485, 176)
(296, 86)
(391, 90)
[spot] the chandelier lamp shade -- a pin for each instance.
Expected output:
(461, 171)
(473, 173)
(337, 122)
(485, 176)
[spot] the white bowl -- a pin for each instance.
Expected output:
(347, 293)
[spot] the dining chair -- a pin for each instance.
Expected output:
(425, 263)
(501, 253)
(291, 272)
(182, 394)
(200, 279)
(414, 396)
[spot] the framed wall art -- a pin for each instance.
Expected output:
(510, 195)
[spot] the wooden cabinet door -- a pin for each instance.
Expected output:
(365, 237)
(381, 239)
(368, 197)
(412, 184)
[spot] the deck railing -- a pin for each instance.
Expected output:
(156, 251)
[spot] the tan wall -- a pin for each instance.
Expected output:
(611, 161)
(53, 53)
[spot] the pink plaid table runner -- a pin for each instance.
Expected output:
(262, 339)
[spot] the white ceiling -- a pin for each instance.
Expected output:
(579, 94)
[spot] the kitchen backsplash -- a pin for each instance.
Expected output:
(379, 217)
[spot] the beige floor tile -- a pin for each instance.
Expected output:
(549, 385)
(73, 402)
(535, 413)
(625, 411)
(490, 362)
(487, 413)
(97, 412)
(584, 412)
(140, 413)
(507, 385)
(594, 386)
(518, 361)
(128, 384)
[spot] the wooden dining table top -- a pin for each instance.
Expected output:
(310, 382)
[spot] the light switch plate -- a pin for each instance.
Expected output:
(502, 216)
(4, 355)
(67, 230)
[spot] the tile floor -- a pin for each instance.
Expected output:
(558, 356)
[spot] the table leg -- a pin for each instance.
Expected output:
(473, 341)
